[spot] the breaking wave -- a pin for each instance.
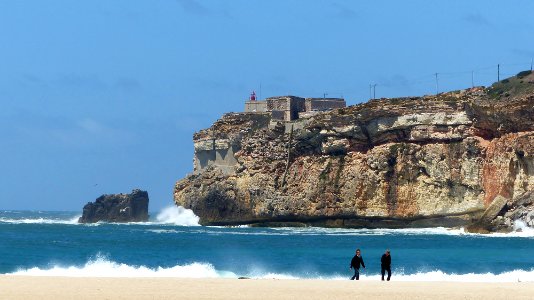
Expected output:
(521, 230)
(511, 276)
(174, 215)
(178, 215)
(41, 220)
(100, 266)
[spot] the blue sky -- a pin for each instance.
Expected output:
(101, 96)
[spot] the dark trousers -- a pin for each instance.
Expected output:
(384, 269)
(356, 274)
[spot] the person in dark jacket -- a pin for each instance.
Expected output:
(355, 263)
(385, 263)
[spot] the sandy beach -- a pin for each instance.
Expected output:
(28, 287)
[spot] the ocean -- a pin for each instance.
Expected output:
(171, 244)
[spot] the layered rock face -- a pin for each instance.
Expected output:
(117, 208)
(405, 162)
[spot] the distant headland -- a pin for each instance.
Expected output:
(461, 158)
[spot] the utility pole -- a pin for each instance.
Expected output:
(370, 92)
(472, 79)
(437, 84)
(374, 91)
(324, 95)
(498, 72)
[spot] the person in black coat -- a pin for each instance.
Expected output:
(355, 263)
(385, 263)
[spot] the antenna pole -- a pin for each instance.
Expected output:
(374, 91)
(498, 72)
(370, 92)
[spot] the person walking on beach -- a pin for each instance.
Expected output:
(355, 263)
(385, 263)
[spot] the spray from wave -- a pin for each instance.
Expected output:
(178, 215)
(71, 221)
(100, 266)
(520, 226)
(174, 215)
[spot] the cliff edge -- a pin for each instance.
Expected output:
(405, 162)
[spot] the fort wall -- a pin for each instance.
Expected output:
(215, 152)
(289, 108)
(323, 104)
(256, 106)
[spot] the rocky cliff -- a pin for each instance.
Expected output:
(404, 162)
(117, 208)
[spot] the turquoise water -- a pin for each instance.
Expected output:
(52, 243)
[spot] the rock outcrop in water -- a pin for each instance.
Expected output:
(404, 162)
(117, 208)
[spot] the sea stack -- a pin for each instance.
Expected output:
(453, 159)
(119, 208)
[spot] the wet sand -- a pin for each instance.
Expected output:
(29, 287)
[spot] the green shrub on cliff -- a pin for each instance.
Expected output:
(523, 74)
(518, 85)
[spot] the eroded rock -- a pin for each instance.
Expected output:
(422, 161)
(121, 208)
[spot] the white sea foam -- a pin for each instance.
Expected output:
(102, 267)
(521, 230)
(71, 221)
(520, 226)
(174, 215)
(512, 276)
(163, 231)
(178, 215)
(365, 231)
